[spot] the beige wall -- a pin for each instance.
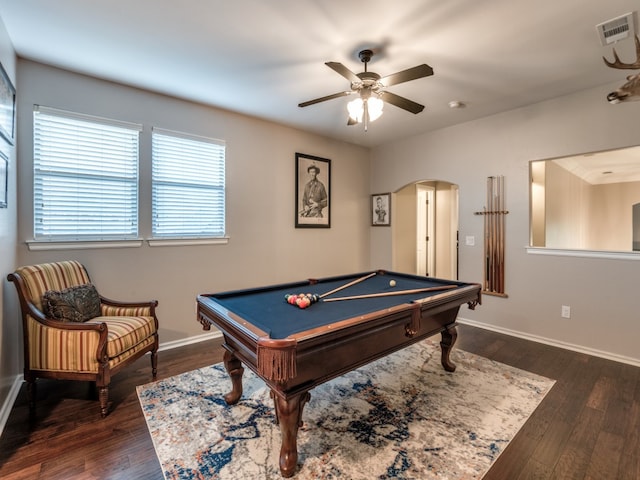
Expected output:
(10, 363)
(403, 223)
(600, 291)
(611, 227)
(538, 206)
(445, 227)
(567, 201)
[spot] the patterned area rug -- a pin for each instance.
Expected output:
(401, 417)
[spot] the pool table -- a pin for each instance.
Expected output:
(296, 349)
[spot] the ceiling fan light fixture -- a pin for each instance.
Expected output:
(375, 106)
(369, 87)
(356, 109)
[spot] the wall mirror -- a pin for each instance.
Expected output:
(589, 201)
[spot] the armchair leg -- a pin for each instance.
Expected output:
(103, 395)
(31, 395)
(154, 363)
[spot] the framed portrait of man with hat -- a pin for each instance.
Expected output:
(381, 209)
(313, 191)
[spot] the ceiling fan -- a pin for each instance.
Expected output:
(371, 90)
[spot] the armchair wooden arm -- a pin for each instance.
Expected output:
(116, 303)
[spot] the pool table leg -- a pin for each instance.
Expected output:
(289, 416)
(449, 336)
(235, 371)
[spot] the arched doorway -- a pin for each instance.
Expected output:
(425, 229)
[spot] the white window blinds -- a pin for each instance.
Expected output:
(188, 190)
(85, 177)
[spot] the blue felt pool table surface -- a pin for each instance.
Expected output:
(267, 309)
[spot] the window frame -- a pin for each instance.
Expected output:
(43, 159)
(217, 149)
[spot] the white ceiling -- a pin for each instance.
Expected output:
(598, 168)
(263, 57)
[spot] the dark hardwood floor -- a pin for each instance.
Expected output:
(587, 427)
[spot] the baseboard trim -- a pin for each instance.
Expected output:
(554, 343)
(5, 410)
(189, 340)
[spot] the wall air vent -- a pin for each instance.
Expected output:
(616, 29)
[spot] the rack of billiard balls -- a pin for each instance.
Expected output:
(302, 300)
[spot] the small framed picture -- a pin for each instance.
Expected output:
(313, 191)
(7, 107)
(4, 180)
(381, 209)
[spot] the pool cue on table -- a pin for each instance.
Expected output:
(304, 300)
(362, 279)
(389, 294)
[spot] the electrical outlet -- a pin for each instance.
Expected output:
(566, 311)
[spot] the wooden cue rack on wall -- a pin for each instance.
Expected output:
(494, 237)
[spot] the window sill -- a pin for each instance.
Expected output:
(584, 253)
(181, 242)
(35, 245)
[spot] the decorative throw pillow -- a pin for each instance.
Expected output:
(73, 304)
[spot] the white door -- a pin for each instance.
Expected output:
(425, 237)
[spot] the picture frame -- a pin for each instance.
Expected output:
(313, 191)
(4, 179)
(7, 107)
(381, 209)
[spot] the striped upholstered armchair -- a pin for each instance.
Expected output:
(71, 332)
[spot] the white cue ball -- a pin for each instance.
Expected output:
(392, 283)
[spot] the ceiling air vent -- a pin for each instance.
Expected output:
(616, 29)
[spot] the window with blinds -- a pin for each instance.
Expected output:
(188, 186)
(85, 177)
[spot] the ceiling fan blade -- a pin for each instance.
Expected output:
(402, 102)
(344, 71)
(414, 73)
(323, 99)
